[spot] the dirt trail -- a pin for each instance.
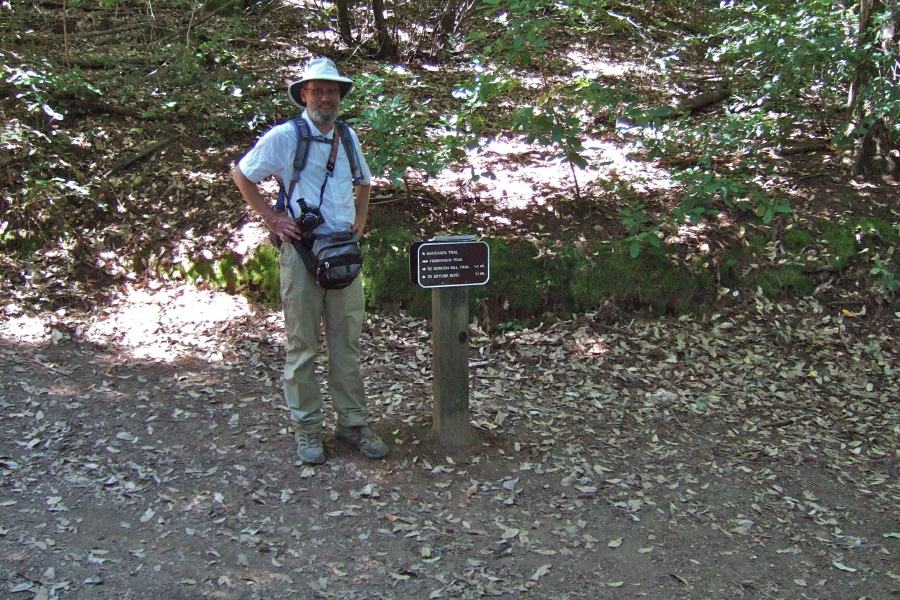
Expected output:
(669, 459)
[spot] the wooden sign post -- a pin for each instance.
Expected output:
(450, 265)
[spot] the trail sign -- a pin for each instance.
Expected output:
(450, 265)
(450, 262)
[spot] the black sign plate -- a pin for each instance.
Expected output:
(450, 264)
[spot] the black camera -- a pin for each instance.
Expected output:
(309, 218)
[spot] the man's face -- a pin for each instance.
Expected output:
(323, 98)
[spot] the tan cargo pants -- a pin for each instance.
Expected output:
(306, 307)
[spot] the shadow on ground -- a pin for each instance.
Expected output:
(665, 459)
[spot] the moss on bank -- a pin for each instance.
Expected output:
(529, 279)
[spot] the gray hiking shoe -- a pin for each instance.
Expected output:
(363, 438)
(309, 448)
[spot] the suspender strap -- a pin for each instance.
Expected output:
(304, 138)
(350, 148)
(300, 156)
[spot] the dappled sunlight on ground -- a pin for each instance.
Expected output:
(693, 234)
(514, 174)
(164, 324)
(24, 329)
(248, 236)
(592, 67)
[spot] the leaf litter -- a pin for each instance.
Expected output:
(748, 454)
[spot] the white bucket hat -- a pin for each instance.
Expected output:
(319, 68)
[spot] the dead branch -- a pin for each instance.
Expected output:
(812, 146)
(695, 103)
(110, 31)
(802, 148)
(97, 62)
(124, 164)
(92, 106)
(693, 159)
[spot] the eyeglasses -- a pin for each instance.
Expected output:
(320, 92)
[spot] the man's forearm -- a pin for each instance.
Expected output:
(277, 222)
(251, 194)
(361, 194)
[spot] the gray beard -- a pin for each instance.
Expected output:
(322, 118)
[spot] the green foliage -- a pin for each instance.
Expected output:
(204, 78)
(46, 131)
(786, 279)
(786, 54)
(140, 260)
(796, 62)
(712, 185)
(651, 280)
(522, 23)
(528, 280)
(788, 67)
(552, 117)
(259, 277)
(796, 240)
(262, 276)
(386, 275)
(484, 87)
(871, 228)
(874, 239)
(552, 125)
(846, 238)
(398, 136)
(886, 281)
(387, 137)
(24, 245)
(44, 191)
(842, 246)
(519, 288)
(526, 283)
(40, 87)
(744, 267)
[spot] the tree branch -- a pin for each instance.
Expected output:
(801, 148)
(153, 147)
(98, 107)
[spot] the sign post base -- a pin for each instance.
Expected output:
(450, 341)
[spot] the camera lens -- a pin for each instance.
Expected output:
(309, 218)
(308, 222)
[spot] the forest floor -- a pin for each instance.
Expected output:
(747, 453)
(750, 452)
(145, 454)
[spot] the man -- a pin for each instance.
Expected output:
(342, 207)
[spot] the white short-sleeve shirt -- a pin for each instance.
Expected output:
(273, 154)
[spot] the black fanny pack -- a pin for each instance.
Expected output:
(333, 259)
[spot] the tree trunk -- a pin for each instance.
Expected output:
(873, 150)
(387, 48)
(451, 14)
(345, 29)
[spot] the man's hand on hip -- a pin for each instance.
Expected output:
(283, 226)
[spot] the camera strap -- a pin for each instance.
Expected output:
(304, 140)
(329, 173)
(329, 166)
